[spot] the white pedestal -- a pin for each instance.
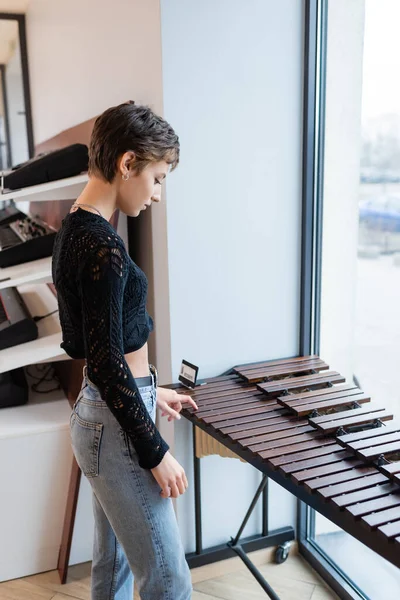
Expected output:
(35, 467)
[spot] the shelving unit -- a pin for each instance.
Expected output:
(35, 444)
(36, 434)
(40, 300)
(44, 412)
(62, 189)
(30, 278)
(38, 271)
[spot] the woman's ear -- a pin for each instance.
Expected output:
(130, 159)
(126, 162)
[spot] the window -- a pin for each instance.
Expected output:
(358, 328)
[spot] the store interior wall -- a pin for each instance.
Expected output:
(87, 56)
(232, 85)
(224, 266)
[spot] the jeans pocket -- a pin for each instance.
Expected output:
(86, 439)
(149, 400)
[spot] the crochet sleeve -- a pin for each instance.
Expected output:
(101, 281)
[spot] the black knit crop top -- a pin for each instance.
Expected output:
(101, 296)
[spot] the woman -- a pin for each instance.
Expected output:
(102, 302)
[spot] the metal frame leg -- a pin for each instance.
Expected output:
(236, 547)
(279, 537)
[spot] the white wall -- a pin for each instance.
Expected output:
(232, 84)
(87, 56)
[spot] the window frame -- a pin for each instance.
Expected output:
(20, 18)
(315, 62)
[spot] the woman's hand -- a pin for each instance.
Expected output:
(170, 402)
(170, 476)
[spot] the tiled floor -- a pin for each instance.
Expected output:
(292, 580)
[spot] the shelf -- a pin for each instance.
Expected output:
(62, 189)
(40, 301)
(42, 413)
(38, 271)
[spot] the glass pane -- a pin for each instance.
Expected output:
(13, 128)
(360, 317)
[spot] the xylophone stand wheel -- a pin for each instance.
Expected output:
(282, 552)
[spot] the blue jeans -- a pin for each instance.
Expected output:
(136, 533)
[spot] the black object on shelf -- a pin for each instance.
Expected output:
(25, 240)
(65, 162)
(14, 389)
(16, 323)
(10, 213)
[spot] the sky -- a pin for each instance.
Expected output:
(381, 64)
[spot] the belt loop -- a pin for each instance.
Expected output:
(84, 377)
(154, 374)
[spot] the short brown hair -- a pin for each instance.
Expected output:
(131, 127)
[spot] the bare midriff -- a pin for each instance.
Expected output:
(138, 362)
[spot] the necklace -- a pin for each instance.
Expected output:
(78, 204)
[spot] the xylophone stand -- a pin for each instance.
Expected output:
(238, 548)
(282, 537)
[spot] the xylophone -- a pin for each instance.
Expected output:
(321, 438)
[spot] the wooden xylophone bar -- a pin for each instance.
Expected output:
(318, 436)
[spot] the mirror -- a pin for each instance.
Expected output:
(16, 139)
